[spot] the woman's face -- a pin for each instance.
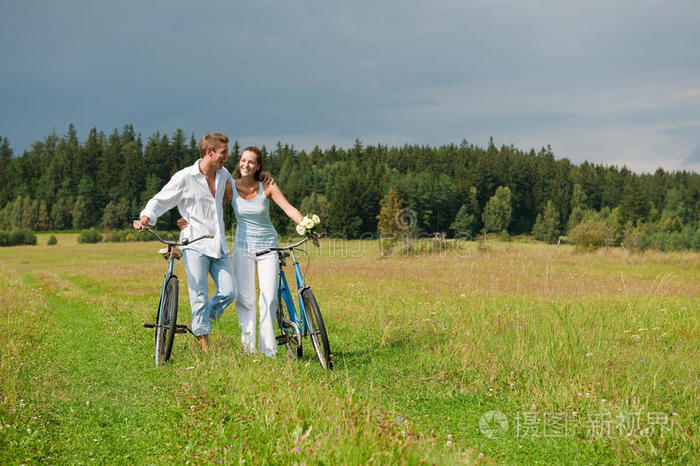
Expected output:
(248, 164)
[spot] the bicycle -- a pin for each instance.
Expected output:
(166, 317)
(307, 321)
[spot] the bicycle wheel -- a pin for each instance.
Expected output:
(166, 321)
(290, 331)
(317, 329)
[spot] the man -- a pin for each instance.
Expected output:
(198, 193)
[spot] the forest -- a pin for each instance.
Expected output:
(459, 190)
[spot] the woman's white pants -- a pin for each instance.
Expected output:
(244, 266)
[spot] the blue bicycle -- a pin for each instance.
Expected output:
(307, 320)
(166, 317)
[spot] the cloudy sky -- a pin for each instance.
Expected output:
(614, 82)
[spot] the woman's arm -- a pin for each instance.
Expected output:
(276, 194)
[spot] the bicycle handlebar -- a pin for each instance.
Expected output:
(185, 241)
(291, 246)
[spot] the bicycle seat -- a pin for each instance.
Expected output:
(176, 252)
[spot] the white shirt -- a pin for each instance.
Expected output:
(189, 191)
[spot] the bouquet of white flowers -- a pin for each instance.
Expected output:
(309, 226)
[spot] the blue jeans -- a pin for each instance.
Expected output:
(204, 309)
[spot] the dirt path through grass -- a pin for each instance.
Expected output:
(91, 400)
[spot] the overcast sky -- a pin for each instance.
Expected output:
(613, 82)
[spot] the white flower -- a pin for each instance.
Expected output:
(308, 223)
(301, 229)
(316, 219)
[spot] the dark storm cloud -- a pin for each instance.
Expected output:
(604, 81)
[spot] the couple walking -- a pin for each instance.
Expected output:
(200, 192)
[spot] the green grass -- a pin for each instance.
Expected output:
(424, 346)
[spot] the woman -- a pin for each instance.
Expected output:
(254, 233)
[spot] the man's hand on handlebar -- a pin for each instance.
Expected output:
(141, 224)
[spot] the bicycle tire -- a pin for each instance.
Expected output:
(317, 329)
(293, 340)
(165, 328)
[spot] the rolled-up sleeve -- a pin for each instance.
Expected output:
(166, 199)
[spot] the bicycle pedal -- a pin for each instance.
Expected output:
(282, 339)
(149, 325)
(181, 328)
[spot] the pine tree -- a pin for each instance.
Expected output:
(6, 177)
(59, 216)
(132, 177)
(347, 211)
(634, 206)
(35, 214)
(26, 221)
(43, 222)
(674, 206)
(110, 169)
(466, 222)
(109, 217)
(15, 218)
(497, 212)
(87, 191)
(80, 214)
(546, 226)
(125, 211)
(578, 197)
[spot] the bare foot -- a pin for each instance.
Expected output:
(204, 342)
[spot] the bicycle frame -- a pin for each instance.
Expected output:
(170, 254)
(169, 273)
(298, 322)
(298, 317)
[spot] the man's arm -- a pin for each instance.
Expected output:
(164, 200)
(228, 191)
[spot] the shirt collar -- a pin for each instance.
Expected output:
(195, 169)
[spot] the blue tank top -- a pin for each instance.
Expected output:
(254, 230)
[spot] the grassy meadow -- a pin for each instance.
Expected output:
(576, 357)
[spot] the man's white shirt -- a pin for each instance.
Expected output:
(189, 191)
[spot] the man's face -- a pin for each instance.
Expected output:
(219, 156)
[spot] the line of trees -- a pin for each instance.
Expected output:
(61, 183)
